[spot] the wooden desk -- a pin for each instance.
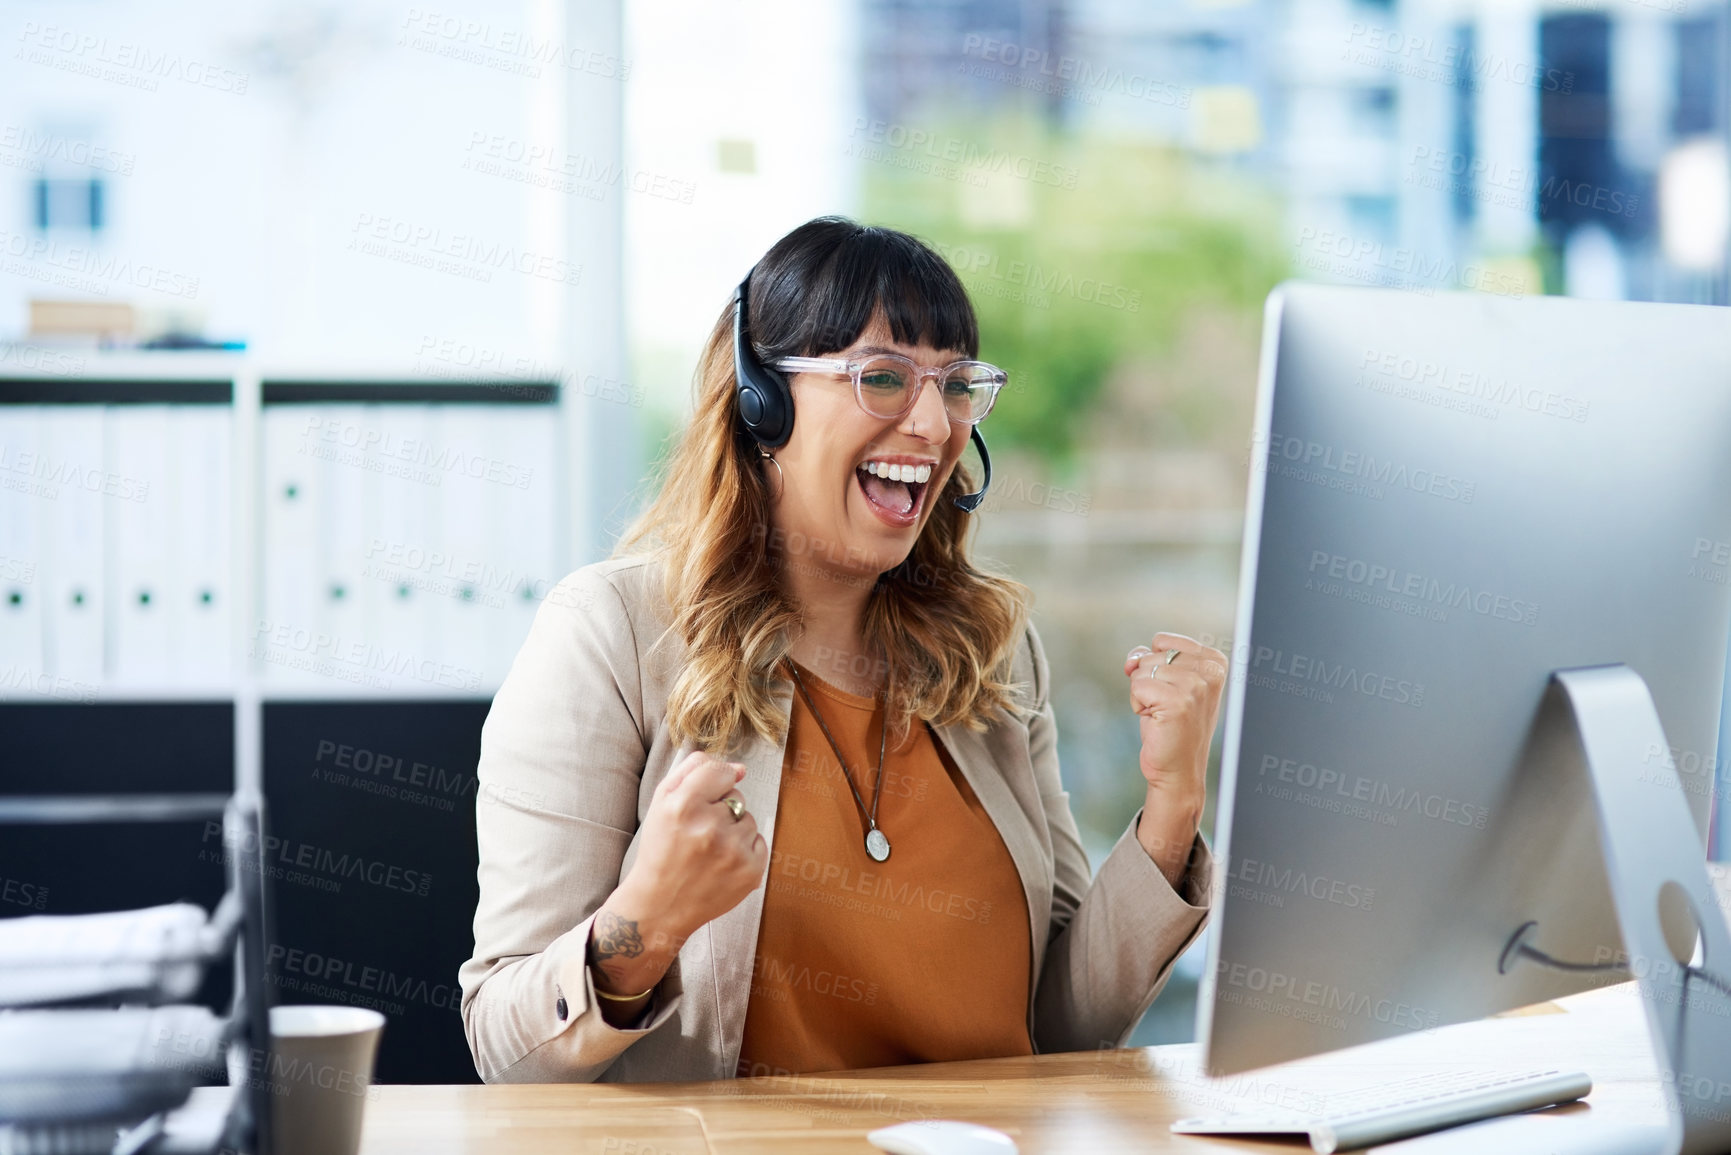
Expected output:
(1104, 1102)
(1101, 1102)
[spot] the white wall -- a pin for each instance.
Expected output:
(326, 123)
(386, 187)
(780, 74)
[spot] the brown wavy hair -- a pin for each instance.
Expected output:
(947, 628)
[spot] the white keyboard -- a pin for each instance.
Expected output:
(1396, 1110)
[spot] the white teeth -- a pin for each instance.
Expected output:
(911, 473)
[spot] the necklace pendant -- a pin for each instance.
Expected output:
(877, 845)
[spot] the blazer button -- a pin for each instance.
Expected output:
(560, 1009)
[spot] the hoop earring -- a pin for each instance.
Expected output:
(770, 457)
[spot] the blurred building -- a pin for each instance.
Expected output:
(1513, 149)
(1573, 146)
(1195, 74)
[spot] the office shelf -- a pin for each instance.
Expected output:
(290, 731)
(482, 619)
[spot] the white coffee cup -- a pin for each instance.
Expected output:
(321, 1068)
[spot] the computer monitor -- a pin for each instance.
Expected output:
(1453, 496)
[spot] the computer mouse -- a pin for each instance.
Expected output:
(942, 1137)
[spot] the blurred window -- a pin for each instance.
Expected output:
(68, 204)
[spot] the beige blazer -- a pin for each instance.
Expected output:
(570, 756)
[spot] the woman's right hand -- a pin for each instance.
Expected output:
(695, 862)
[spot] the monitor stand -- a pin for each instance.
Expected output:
(1674, 934)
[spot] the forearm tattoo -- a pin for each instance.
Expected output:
(614, 937)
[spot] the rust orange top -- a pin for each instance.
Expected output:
(923, 958)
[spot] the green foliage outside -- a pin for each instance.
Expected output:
(1092, 260)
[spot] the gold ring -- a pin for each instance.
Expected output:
(1172, 657)
(734, 806)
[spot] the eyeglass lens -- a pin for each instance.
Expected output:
(885, 385)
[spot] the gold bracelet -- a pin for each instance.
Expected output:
(623, 998)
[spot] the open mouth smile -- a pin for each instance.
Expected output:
(894, 491)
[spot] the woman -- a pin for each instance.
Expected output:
(791, 671)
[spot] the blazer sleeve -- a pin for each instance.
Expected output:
(1112, 942)
(562, 757)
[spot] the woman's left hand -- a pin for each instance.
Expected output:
(1175, 689)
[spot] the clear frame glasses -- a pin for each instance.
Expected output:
(887, 385)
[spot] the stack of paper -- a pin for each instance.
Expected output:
(153, 955)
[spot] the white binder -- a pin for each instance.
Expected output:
(400, 510)
(141, 553)
(26, 497)
(342, 547)
(199, 609)
(462, 458)
(282, 644)
(74, 606)
(521, 518)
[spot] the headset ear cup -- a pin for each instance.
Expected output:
(763, 395)
(765, 404)
(750, 408)
(778, 413)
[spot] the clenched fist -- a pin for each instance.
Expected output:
(700, 853)
(1175, 689)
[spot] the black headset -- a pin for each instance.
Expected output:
(766, 401)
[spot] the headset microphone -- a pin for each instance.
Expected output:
(971, 501)
(766, 402)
